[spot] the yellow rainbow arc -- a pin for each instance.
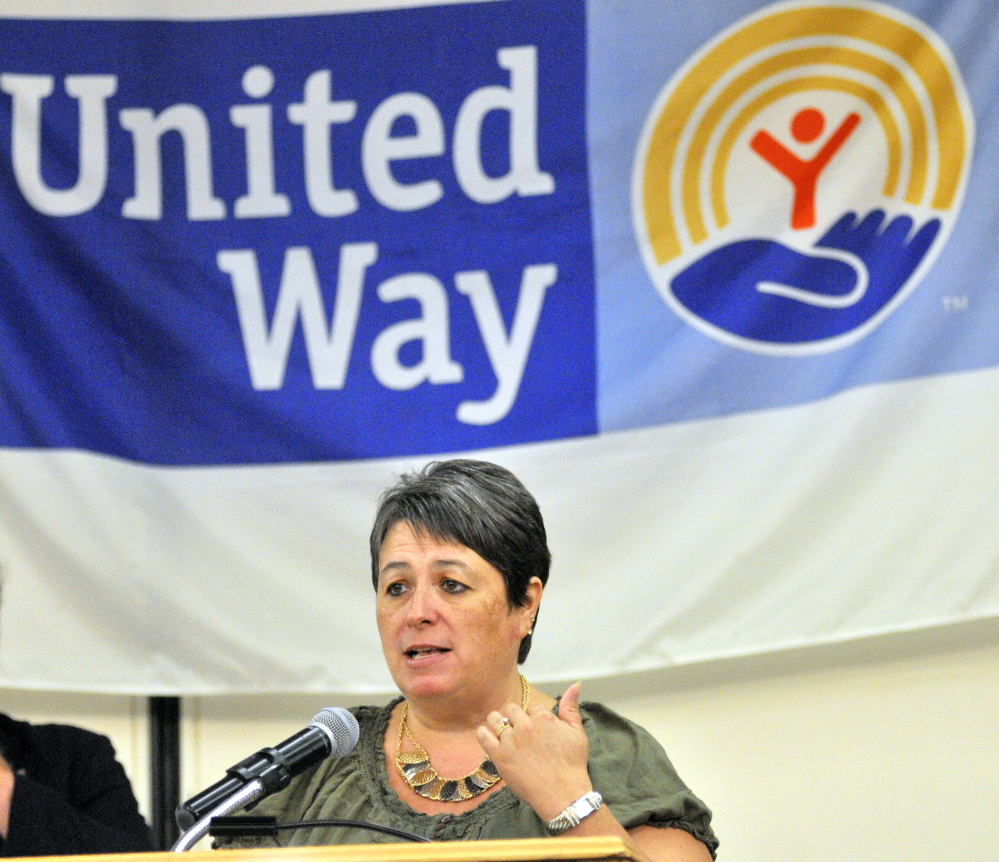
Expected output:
(947, 126)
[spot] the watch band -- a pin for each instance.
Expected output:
(574, 814)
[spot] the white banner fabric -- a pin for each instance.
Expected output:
(870, 512)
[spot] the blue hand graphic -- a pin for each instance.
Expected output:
(724, 287)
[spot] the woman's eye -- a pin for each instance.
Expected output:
(396, 589)
(451, 586)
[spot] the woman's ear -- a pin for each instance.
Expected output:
(532, 601)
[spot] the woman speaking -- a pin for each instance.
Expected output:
(471, 750)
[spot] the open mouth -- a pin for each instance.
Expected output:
(423, 652)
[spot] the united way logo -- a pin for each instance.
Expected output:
(797, 178)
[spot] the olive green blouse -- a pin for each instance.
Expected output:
(627, 766)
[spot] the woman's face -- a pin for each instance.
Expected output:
(445, 624)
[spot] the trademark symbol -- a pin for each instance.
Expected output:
(955, 303)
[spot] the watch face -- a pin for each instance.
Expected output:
(582, 807)
(587, 804)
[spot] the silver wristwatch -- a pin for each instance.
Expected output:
(575, 813)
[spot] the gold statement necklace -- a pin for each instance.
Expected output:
(423, 778)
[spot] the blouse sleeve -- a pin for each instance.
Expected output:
(639, 785)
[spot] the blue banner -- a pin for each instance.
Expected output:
(296, 239)
(367, 235)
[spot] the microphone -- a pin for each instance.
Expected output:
(333, 732)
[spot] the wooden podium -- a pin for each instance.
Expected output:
(516, 850)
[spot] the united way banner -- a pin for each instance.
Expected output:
(718, 283)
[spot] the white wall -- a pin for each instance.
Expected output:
(881, 750)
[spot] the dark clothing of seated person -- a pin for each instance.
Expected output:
(62, 792)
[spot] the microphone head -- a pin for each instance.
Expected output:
(340, 726)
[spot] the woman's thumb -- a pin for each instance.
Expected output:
(568, 706)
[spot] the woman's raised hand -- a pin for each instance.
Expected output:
(541, 756)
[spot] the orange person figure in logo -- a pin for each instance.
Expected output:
(806, 126)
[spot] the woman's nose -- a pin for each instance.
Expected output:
(422, 606)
